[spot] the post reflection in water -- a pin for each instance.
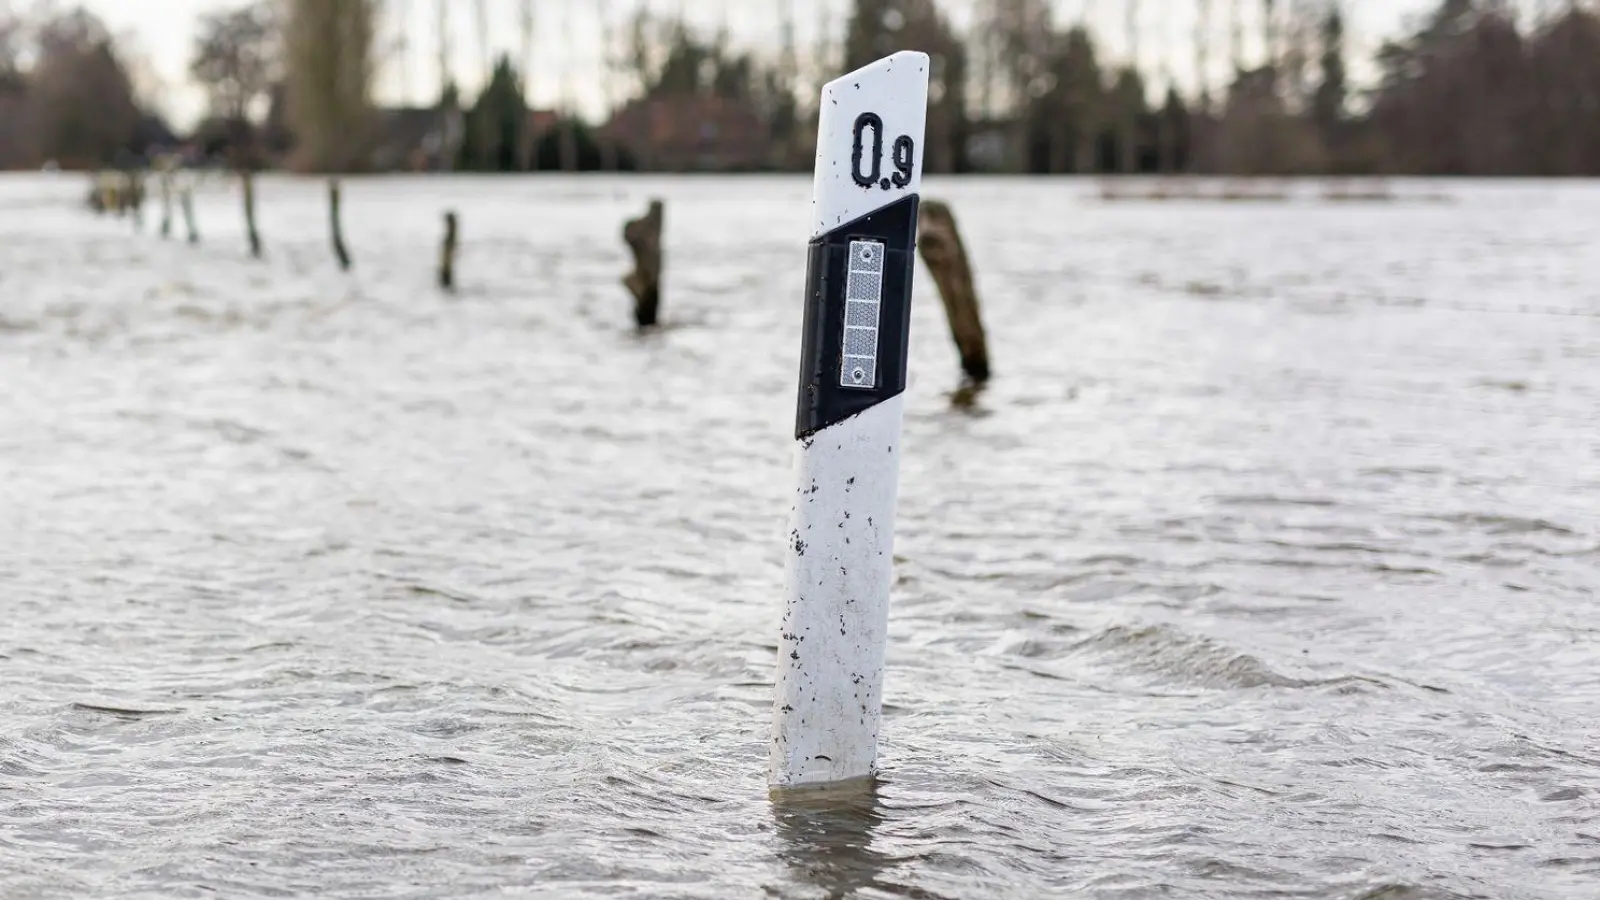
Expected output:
(825, 837)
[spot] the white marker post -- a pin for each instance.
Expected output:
(852, 379)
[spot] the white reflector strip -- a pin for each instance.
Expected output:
(863, 298)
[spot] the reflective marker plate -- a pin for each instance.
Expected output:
(863, 299)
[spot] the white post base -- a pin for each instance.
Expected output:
(835, 622)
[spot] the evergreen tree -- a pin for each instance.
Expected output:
(878, 28)
(1328, 104)
(1063, 120)
(495, 124)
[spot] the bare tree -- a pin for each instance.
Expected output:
(1013, 45)
(12, 35)
(879, 27)
(236, 58)
(328, 48)
(83, 107)
(16, 130)
(526, 20)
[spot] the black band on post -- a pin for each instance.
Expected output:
(825, 396)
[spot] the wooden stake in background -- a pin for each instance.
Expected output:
(135, 184)
(186, 200)
(166, 201)
(250, 211)
(644, 282)
(447, 256)
(946, 257)
(338, 228)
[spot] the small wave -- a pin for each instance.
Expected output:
(122, 712)
(1402, 471)
(1504, 525)
(1272, 500)
(1183, 657)
(1515, 386)
(1405, 892)
(1178, 656)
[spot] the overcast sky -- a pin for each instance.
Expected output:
(568, 38)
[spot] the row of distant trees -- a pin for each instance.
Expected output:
(65, 95)
(1470, 91)
(278, 74)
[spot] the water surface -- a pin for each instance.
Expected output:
(1266, 568)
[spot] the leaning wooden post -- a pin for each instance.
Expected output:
(447, 255)
(110, 201)
(338, 229)
(136, 198)
(644, 282)
(946, 257)
(250, 212)
(166, 201)
(186, 201)
(840, 561)
(98, 196)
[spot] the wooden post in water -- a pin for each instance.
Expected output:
(249, 181)
(828, 697)
(166, 201)
(447, 255)
(111, 197)
(99, 196)
(135, 185)
(644, 282)
(186, 201)
(338, 228)
(946, 257)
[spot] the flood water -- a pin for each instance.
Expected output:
(1267, 567)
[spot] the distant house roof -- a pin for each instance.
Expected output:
(691, 132)
(153, 132)
(542, 120)
(16, 148)
(411, 137)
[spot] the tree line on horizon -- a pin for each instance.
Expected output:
(1468, 91)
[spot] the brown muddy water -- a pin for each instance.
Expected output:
(1268, 566)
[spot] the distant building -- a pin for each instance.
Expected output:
(542, 121)
(992, 145)
(16, 150)
(691, 133)
(155, 137)
(417, 139)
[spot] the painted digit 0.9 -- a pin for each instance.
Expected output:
(857, 150)
(905, 150)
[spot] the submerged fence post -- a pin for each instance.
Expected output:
(113, 198)
(946, 257)
(99, 194)
(338, 229)
(186, 200)
(447, 255)
(840, 559)
(250, 211)
(135, 184)
(166, 201)
(644, 282)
